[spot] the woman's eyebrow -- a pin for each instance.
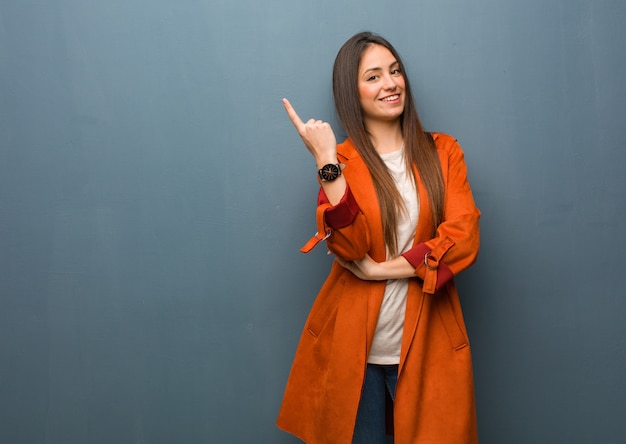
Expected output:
(372, 69)
(395, 62)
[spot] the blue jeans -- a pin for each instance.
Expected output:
(380, 381)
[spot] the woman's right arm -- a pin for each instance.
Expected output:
(320, 140)
(339, 219)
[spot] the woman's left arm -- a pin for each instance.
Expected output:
(457, 239)
(370, 270)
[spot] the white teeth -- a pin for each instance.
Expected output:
(390, 98)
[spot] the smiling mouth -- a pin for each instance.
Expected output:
(391, 98)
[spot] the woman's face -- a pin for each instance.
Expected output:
(381, 85)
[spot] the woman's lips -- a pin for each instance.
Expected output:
(393, 98)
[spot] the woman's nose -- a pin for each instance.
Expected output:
(389, 83)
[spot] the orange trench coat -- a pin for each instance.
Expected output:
(434, 400)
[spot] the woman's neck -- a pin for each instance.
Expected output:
(386, 136)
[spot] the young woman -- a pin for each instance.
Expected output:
(385, 349)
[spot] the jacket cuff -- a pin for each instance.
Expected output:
(342, 214)
(435, 273)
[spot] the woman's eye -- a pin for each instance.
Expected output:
(369, 79)
(396, 71)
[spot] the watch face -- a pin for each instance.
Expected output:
(329, 172)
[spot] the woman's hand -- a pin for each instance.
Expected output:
(367, 268)
(318, 136)
(370, 270)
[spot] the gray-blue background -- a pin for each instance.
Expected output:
(153, 197)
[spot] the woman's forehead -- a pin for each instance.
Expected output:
(376, 57)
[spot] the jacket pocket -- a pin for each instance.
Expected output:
(325, 307)
(458, 339)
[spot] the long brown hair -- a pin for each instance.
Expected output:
(419, 147)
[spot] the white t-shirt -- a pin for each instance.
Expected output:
(388, 336)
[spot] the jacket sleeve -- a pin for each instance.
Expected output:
(457, 239)
(342, 226)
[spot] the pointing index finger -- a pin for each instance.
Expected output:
(293, 116)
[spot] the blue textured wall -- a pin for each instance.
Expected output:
(153, 197)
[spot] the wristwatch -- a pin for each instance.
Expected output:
(330, 171)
